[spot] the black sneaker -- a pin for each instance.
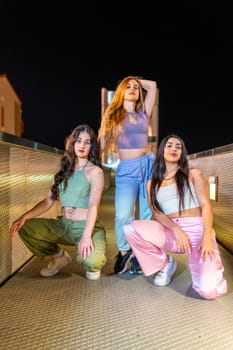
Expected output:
(122, 261)
(135, 267)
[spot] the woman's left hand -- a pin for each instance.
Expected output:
(85, 247)
(206, 251)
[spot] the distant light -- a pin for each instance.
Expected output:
(110, 96)
(213, 187)
(112, 161)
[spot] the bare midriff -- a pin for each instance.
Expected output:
(127, 154)
(75, 213)
(186, 213)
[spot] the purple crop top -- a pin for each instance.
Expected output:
(134, 135)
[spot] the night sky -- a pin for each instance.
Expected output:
(58, 59)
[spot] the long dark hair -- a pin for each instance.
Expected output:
(67, 163)
(159, 169)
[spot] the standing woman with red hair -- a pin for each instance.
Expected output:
(124, 129)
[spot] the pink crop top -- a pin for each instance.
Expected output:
(134, 135)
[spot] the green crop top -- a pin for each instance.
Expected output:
(77, 192)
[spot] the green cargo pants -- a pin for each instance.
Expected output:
(42, 236)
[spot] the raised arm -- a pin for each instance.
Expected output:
(151, 88)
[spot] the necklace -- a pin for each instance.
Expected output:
(169, 178)
(82, 167)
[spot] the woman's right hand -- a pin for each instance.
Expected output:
(182, 240)
(37, 210)
(85, 247)
(183, 243)
(17, 224)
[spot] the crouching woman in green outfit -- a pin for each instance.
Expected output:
(79, 185)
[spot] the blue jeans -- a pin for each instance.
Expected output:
(130, 181)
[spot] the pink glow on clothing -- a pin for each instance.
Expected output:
(151, 242)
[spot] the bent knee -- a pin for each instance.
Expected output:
(128, 230)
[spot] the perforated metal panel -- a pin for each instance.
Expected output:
(221, 165)
(25, 178)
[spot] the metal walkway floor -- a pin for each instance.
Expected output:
(68, 312)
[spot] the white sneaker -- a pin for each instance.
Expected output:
(163, 277)
(91, 275)
(57, 262)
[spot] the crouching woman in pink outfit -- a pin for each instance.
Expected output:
(182, 223)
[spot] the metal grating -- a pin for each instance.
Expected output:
(68, 312)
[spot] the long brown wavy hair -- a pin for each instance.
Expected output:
(159, 169)
(114, 115)
(68, 160)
